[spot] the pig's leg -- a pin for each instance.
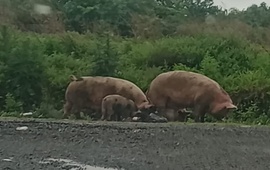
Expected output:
(126, 113)
(110, 113)
(103, 113)
(77, 113)
(162, 111)
(169, 114)
(129, 115)
(202, 116)
(78, 110)
(199, 113)
(67, 109)
(119, 116)
(117, 113)
(116, 116)
(161, 105)
(182, 117)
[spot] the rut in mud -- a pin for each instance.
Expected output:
(132, 146)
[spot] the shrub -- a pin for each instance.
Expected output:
(35, 69)
(23, 69)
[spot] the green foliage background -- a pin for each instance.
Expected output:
(135, 40)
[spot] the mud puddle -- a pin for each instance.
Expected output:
(72, 165)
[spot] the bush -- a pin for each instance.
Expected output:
(35, 69)
(22, 69)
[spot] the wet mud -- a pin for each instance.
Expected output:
(73, 145)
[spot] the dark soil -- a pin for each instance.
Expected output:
(134, 146)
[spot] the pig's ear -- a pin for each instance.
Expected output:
(231, 106)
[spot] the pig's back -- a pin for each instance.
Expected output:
(115, 97)
(187, 80)
(102, 86)
(181, 86)
(130, 90)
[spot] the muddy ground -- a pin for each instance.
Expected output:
(133, 146)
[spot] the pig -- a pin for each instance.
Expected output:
(184, 89)
(89, 92)
(118, 107)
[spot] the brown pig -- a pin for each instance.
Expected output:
(118, 107)
(89, 92)
(183, 89)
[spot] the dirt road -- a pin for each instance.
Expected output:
(132, 146)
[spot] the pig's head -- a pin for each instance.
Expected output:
(221, 110)
(135, 112)
(144, 110)
(147, 108)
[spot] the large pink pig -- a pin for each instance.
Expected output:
(89, 91)
(183, 89)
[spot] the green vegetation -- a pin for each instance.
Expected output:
(135, 40)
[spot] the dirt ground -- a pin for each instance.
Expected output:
(132, 146)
